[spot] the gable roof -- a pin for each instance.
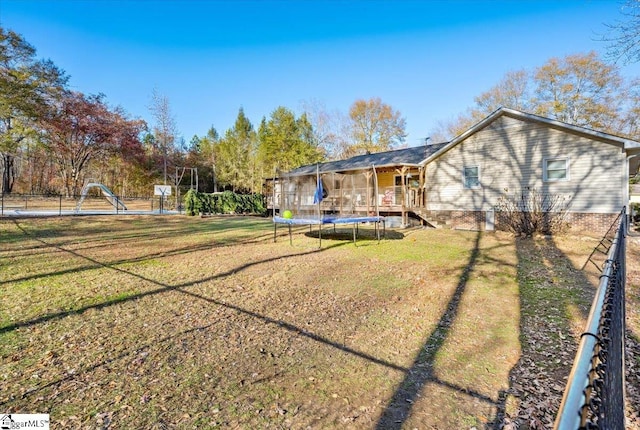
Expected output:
(400, 157)
(624, 143)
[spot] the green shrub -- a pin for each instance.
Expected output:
(226, 202)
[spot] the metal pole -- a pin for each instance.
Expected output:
(375, 188)
(59, 204)
(273, 203)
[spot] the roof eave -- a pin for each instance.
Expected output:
(381, 166)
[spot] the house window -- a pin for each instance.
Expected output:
(556, 169)
(471, 177)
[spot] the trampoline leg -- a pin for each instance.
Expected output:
(320, 235)
(290, 240)
(275, 228)
(355, 226)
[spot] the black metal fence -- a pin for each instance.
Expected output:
(12, 204)
(594, 396)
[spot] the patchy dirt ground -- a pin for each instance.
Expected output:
(177, 322)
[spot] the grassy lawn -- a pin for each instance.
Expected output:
(176, 322)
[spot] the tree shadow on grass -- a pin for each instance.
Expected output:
(555, 296)
(163, 287)
(362, 235)
(183, 288)
(398, 409)
(415, 376)
(279, 324)
(215, 243)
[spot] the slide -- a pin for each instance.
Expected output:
(106, 192)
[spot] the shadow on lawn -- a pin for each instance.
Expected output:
(182, 289)
(415, 377)
(214, 243)
(164, 287)
(550, 299)
(103, 233)
(398, 409)
(362, 235)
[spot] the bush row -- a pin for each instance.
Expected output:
(227, 202)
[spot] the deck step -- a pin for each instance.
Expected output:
(431, 221)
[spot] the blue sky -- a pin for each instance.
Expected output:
(427, 59)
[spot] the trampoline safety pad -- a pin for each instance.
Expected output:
(328, 219)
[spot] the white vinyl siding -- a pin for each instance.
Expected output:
(555, 169)
(510, 155)
(471, 177)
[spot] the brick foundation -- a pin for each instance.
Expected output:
(590, 223)
(594, 224)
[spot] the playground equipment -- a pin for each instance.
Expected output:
(106, 192)
(322, 197)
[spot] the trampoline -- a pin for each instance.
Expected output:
(315, 196)
(329, 219)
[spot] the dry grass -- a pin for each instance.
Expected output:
(174, 322)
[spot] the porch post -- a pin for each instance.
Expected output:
(405, 217)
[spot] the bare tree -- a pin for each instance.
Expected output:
(330, 128)
(578, 89)
(624, 34)
(164, 129)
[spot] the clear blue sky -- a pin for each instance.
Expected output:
(427, 59)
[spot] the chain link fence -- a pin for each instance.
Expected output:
(594, 396)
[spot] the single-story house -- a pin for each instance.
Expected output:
(459, 183)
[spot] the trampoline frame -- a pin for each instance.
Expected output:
(329, 219)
